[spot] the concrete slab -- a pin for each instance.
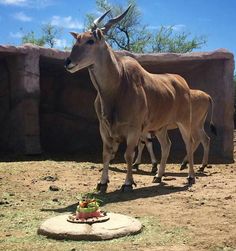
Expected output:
(118, 225)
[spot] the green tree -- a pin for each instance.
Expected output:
(49, 35)
(167, 40)
(129, 34)
(30, 38)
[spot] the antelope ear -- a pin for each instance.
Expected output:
(74, 34)
(99, 34)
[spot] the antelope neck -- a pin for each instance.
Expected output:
(105, 74)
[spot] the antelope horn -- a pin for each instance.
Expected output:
(114, 20)
(98, 20)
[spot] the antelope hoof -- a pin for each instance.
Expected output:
(183, 166)
(191, 181)
(202, 168)
(135, 167)
(154, 168)
(102, 188)
(127, 188)
(156, 180)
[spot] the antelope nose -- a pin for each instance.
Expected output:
(67, 62)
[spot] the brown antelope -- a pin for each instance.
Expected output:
(201, 102)
(131, 101)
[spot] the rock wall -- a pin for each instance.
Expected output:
(4, 105)
(43, 108)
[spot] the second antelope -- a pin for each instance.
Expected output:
(201, 103)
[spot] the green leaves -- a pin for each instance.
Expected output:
(30, 38)
(131, 35)
(50, 33)
(169, 40)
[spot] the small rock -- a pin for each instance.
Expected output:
(11, 194)
(33, 181)
(50, 178)
(2, 202)
(228, 197)
(54, 188)
(55, 200)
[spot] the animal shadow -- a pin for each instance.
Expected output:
(119, 196)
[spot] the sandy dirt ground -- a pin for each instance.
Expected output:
(174, 216)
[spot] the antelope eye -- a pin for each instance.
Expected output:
(90, 42)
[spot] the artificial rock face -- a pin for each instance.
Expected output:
(45, 108)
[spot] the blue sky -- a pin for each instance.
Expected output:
(215, 19)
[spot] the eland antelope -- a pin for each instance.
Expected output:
(131, 101)
(201, 103)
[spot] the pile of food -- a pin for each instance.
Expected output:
(88, 210)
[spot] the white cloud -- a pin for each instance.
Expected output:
(22, 17)
(60, 43)
(66, 22)
(16, 34)
(179, 27)
(28, 3)
(13, 2)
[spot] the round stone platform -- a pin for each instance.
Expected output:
(118, 225)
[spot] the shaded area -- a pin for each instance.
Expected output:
(44, 109)
(4, 105)
(68, 121)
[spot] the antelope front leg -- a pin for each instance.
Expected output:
(132, 142)
(165, 150)
(189, 143)
(141, 145)
(107, 156)
(196, 142)
(149, 146)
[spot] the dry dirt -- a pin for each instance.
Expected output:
(174, 216)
